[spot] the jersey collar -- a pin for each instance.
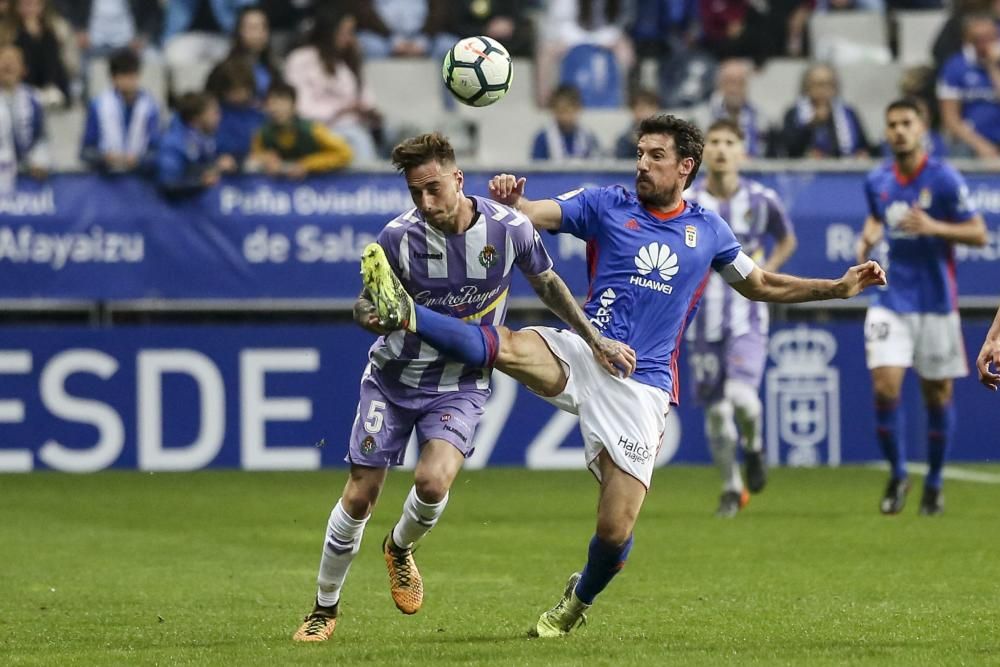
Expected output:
(669, 214)
(902, 178)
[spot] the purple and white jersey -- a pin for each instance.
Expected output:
(754, 212)
(463, 275)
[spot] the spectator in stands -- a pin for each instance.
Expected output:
(643, 104)
(849, 6)
(399, 27)
(563, 138)
(187, 160)
(503, 20)
(570, 23)
(287, 19)
(754, 29)
(821, 124)
(287, 145)
(123, 122)
(233, 84)
(949, 40)
(23, 143)
(667, 31)
(44, 39)
(969, 91)
(251, 41)
(729, 101)
(105, 26)
(197, 31)
(327, 77)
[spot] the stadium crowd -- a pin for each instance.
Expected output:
(287, 92)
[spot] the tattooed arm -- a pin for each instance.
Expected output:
(763, 285)
(610, 354)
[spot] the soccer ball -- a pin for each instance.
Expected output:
(478, 71)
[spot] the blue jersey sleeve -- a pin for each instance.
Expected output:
(727, 247)
(872, 199)
(954, 193)
(581, 210)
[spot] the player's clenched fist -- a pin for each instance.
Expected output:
(990, 354)
(507, 188)
(861, 277)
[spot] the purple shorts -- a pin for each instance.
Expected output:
(740, 358)
(388, 414)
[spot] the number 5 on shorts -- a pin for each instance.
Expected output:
(373, 422)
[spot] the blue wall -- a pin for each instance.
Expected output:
(258, 397)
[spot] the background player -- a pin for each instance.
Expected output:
(455, 253)
(920, 205)
(727, 340)
(650, 253)
(990, 354)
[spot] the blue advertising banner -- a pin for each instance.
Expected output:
(263, 398)
(92, 237)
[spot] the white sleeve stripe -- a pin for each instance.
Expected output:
(739, 269)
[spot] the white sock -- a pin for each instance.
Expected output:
(417, 519)
(343, 539)
(720, 430)
(746, 410)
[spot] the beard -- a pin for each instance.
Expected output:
(654, 198)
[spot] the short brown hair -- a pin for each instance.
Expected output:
(727, 125)
(192, 105)
(688, 142)
(421, 149)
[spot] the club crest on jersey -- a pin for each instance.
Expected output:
(488, 256)
(924, 201)
(368, 445)
(690, 236)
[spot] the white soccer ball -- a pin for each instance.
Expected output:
(478, 71)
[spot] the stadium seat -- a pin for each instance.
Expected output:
(849, 37)
(65, 131)
(153, 78)
(774, 88)
(594, 71)
(190, 78)
(869, 88)
(916, 32)
(406, 90)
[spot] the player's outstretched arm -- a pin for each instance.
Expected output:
(615, 357)
(871, 234)
(763, 285)
(990, 354)
(509, 190)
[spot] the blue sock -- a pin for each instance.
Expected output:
(940, 423)
(889, 429)
(475, 345)
(604, 561)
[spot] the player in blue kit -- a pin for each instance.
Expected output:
(920, 206)
(649, 256)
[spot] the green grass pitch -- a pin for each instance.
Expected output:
(217, 568)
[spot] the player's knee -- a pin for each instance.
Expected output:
(432, 486)
(936, 394)
(744, 398)
(359, 498)
(615, 530)
(886, 392)
(719, 420)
